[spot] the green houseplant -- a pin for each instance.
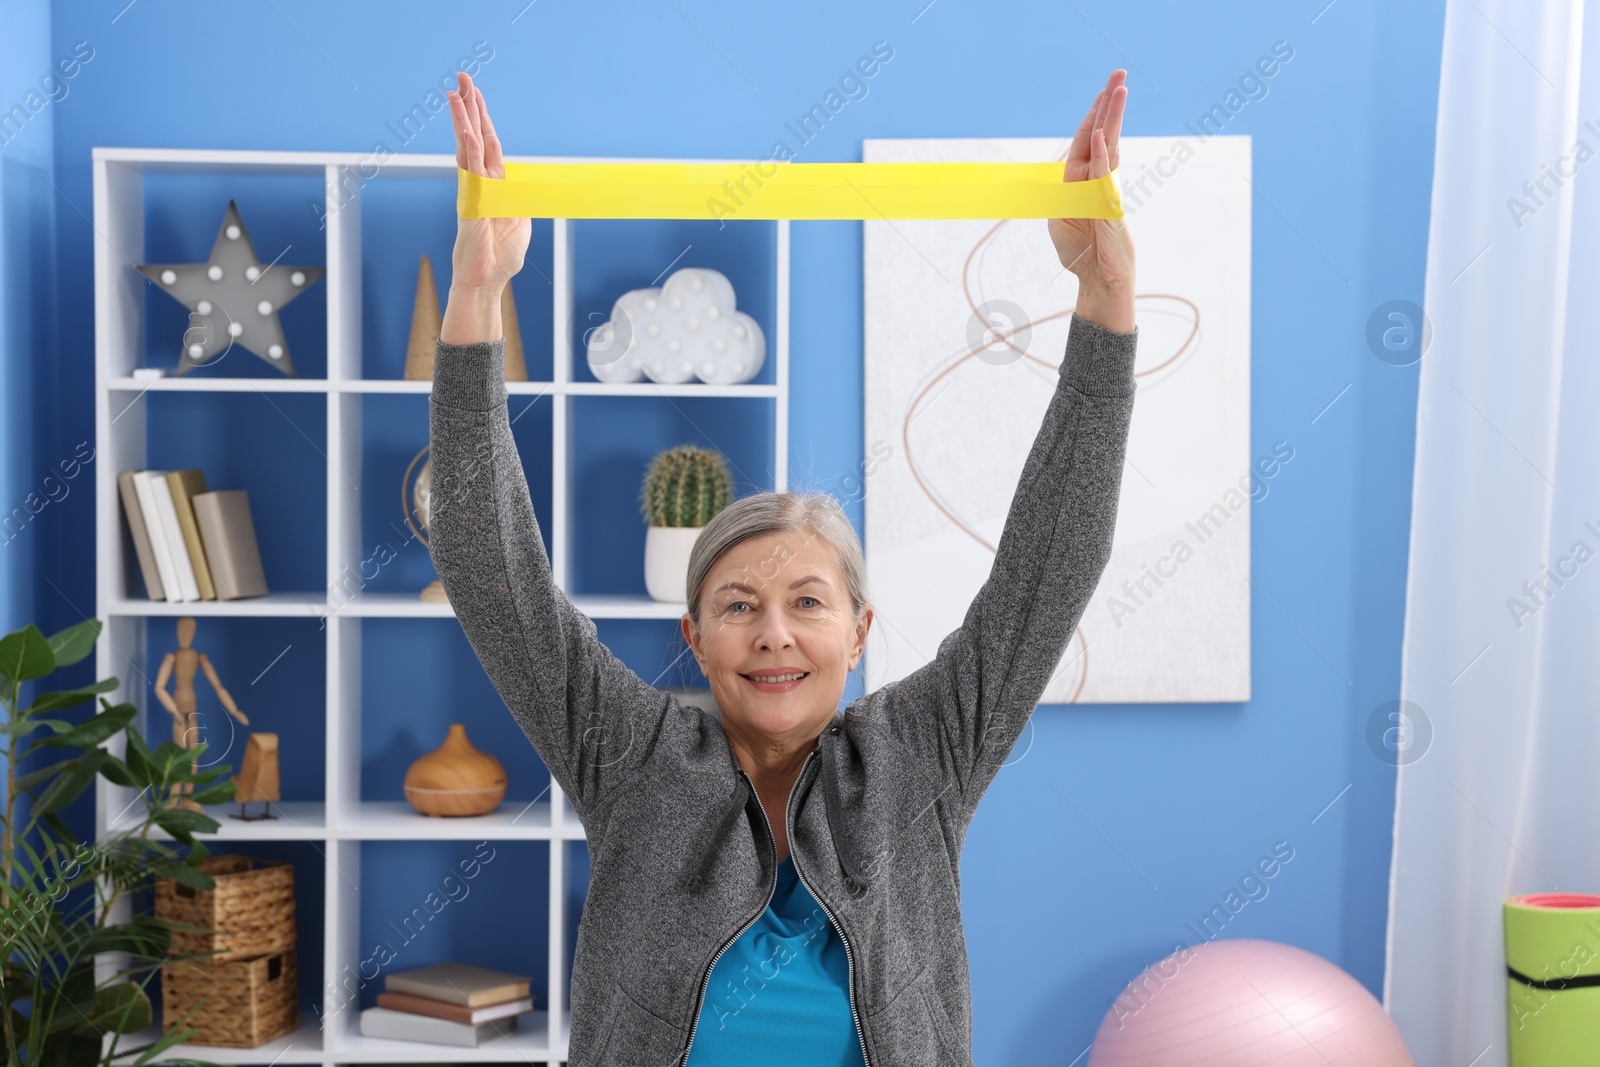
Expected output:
(683, 488)
(56, 893)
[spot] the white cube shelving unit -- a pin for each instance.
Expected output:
(337, 826)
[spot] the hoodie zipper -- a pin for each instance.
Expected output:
(706, 982)
(850, 966)
(849, 961)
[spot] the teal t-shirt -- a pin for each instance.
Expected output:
(779, 995)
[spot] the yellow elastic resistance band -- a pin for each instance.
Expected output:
(774, 190)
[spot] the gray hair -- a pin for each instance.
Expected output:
(768, 512)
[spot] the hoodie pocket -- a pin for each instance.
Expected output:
(636, 1037)
(912, 1030)
(954, 1049)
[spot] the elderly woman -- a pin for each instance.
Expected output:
(776, 883)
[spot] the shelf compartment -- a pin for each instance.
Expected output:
(274, 670)
(239, 440)
(610, 257)
(410, 212)
(183, 211)
(608, 445)
(404, 714)
(446, 899)
(306, 1044)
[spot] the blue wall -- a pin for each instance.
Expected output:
(1171, 805)
(27, 293)
(27, 306)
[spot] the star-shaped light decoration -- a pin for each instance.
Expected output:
(233, 299)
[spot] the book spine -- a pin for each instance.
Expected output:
(438, 1009)
(385, 1022)
(131, 510)
(426, 1006)
(184, 484)
(445, 994)
(142, 482)
(169, 526)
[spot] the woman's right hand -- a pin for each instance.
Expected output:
(488, 251)
(1099, 251)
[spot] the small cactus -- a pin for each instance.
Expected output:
(685, 486)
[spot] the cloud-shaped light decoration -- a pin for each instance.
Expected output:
(688, 328)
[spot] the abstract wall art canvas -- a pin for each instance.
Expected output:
(966, 325)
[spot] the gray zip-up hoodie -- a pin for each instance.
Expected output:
(682, 857)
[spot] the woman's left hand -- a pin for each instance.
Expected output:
(1098, 251)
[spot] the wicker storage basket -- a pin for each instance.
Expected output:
(252, 908)
(249, 1001)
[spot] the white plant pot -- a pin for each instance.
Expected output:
(666, 561)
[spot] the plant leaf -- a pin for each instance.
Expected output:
(174, 755)
(28, 781)
(19, 1028)
(25, 727)
(183, 824)
(118, 772)
(209, 774)
(95, 730)
(136, 938)
(140, 763)
(25, 654)
(59, 825)
(69, 1003)
(185, 874)
(122, 1007)
(220, 793)
(70, 698)
(71, 782)
(75, 642)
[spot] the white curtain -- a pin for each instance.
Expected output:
(1506, 798)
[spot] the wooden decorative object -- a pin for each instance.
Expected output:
(426, 321)
(242, 1003)
(257, 780)
(516, 367)
(252, 907)
(456, 778)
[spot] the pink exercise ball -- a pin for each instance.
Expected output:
(1243, 1002)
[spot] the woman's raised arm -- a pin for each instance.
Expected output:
(591, 719)
(960, 714)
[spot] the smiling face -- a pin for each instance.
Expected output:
(777, 604)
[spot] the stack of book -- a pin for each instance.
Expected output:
(448, 1003)
(192, 544)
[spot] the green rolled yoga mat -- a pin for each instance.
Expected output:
(1553, 978)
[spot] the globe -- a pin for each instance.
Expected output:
(418, 491)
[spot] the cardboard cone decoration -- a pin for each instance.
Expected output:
(516, 369)
(426, 321)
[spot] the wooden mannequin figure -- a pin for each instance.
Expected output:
(181, 703)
